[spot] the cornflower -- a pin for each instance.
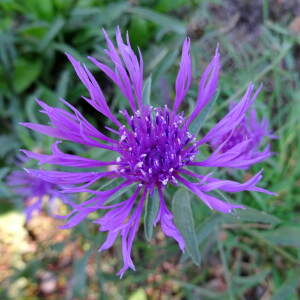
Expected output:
(250, 129)
(152, 145)
(35, 193)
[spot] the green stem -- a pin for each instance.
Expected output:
(225, 265)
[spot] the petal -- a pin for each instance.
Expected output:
(208, 183)
(184, 76)
(207, 86)
(31, 209)
(70, 127)
(167, 223)
(210, 201)
(111, 238)
(62, 159)
(59, 177)
(128, 234)
(97, 100)
(233, 118)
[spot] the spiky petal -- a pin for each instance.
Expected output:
(153, 147)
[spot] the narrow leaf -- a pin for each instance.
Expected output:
(165, 21)
(32, 69)
(251, 215)
(208, 227)
(54, 29)
(147, 91)
(79, 278)
(287, 289)
(184, 221)
(151, 210)
(283, 236)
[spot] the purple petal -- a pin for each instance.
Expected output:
(210, 201)
(184, 76)
(167, 224)
(62, 159)
(59, 177)
(233, 118)
(207, 86)
(97, 100)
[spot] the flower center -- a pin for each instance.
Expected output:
(155, 146)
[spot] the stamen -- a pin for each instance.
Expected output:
(153, 147)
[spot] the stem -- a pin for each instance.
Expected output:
(226, 270)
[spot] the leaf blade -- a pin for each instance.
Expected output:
(147, 91)
(151, 210)
(183, 218)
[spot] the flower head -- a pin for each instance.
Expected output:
(250, 129)
(153, 147)
(34, 190)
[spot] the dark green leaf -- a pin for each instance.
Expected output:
(167, 5)
(183, 218)
(160, 19)
(51, 34)
(151, 210)
(26, 72)
(288, 288)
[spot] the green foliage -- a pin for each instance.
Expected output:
(151, 210)
(184, 221)
(242, 254)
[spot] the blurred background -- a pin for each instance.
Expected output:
(256, 257)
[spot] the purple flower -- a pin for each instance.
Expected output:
(34, 191)
(153, 147)
(250, 129)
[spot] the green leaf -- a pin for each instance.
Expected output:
(113, 11)
(34, 30)
(151, 210)
(26, 72)
(202, 116)
(251, 215)
(54, 29)
(147, 91)
(8, 144)
(208, 227)
(251, 279)
(183, 218)
(140, 32)
(160, 19)
(79, 279)
(62, 86)
(167, 5)
(283, 236)
(94, 17)
(288, 288)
